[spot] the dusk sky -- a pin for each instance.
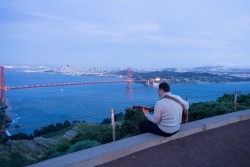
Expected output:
(125, 33)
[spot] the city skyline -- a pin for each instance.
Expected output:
(126, 33)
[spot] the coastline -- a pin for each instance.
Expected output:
(4, 119)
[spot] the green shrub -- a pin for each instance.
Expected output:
(18, 136)
(104, 137)
(51, 128)
(52, 154)
(221, 106)
(106, 121)
(83, 145)
(118, 117)
(226, 98)
(66, 124)
(14, 160)
(132, 118)
(61, 147)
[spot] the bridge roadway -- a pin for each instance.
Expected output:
(68, 84)
(217, 141)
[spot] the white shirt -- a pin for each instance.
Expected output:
(167, 113)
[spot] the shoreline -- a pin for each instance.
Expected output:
(5, 120)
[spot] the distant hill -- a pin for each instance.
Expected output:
(220, 69)
(186, 77)
(211, 69)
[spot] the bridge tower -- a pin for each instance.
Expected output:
(128, 78)
(2, 84)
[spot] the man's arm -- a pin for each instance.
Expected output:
(156, 117)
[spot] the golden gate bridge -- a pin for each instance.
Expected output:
(3, 88)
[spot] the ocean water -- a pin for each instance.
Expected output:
(37, 107)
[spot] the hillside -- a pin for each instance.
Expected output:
(185, 77)
(22, 152)
(4, 118)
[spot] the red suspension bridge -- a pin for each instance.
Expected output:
(3, 88)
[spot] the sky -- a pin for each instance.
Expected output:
(125, 33)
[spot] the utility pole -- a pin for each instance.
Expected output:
(186, 98)
(236, 93)
(113, 123)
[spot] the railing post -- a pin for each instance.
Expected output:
(235, 99)
(187, 102)
(113, 123)
(186, 98)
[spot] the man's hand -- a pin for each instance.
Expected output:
(145, 111)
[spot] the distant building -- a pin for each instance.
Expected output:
(153, 82)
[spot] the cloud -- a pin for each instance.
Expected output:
(111, 28)
(49, 17)
(62, 26)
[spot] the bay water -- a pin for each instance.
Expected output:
(34, 108)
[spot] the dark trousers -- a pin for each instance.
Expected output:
(148, 126)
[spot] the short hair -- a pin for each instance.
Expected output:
(164, 86)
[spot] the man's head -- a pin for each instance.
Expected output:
(163, 87)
